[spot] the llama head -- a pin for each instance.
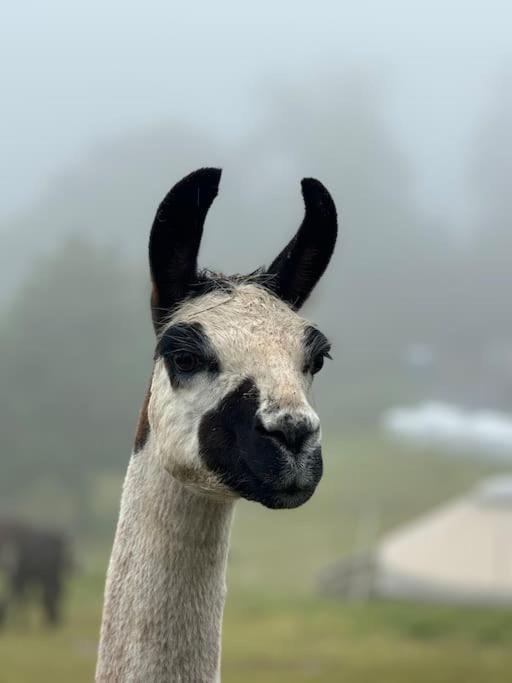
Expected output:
(228, 410)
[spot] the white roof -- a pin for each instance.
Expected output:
(462, 551)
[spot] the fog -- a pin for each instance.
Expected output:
(402, 109)
(73, 75)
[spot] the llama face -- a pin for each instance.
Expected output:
(228, 407)
(229, 402)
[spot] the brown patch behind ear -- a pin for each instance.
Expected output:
(143, 428)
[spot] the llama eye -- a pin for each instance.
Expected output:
(317, 363)
(186, 362)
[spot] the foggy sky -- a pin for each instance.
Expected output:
(76, 73)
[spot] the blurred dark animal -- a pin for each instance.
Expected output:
(3, 610)
(34, 561)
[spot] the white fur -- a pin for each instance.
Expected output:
(166, 580)
(165, 586)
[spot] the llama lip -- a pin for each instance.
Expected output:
(289, 483)
(292, 497)
(300, 472)
(296, 460)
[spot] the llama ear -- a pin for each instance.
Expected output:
(303, 261)
(175, 239)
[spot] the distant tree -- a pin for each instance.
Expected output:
(490, 180)
(108, 195)
(72, 367)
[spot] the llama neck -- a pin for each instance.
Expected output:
(165, 588)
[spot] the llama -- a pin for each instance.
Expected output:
(34, 558)
(226, 415)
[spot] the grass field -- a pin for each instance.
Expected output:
(276, 626)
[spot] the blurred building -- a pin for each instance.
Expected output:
(460, 553)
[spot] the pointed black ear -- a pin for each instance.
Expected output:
(303, 261)
(175, 239)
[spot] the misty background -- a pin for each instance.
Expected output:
(401, 109)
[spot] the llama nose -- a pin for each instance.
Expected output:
(289, 432)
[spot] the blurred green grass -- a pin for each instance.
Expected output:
(276, 626)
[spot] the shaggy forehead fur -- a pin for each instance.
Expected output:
(249, 327)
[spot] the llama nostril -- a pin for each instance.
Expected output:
(289, 434)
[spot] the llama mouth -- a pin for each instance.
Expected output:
(291, 497)
(285, 472)
(288, 491)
